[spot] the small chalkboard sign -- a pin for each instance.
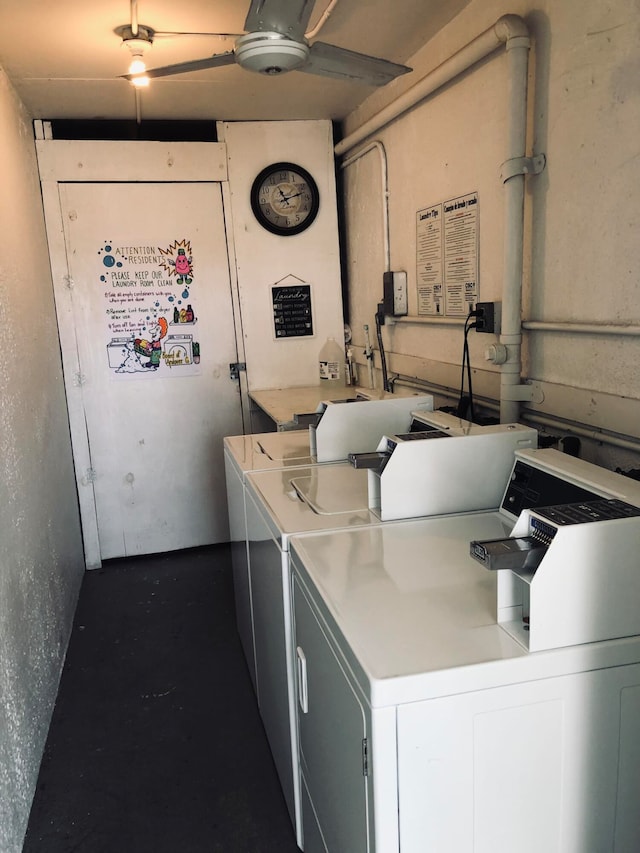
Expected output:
(292, 317)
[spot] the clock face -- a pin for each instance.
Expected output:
(285, 199)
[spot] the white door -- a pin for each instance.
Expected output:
(150, 303)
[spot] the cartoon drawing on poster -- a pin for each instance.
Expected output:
(148, 294)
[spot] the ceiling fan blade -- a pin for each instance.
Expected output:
(287, 17)
(214, 61)
(160, 33)
(327, 60)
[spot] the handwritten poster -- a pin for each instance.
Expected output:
(150, 309)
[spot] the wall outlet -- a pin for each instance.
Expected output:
(486, 317)
(394, 294)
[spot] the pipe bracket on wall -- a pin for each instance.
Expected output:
(522, 166)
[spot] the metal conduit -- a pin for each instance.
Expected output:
(581, 328)
(572, 427)
(614, 440)
(612, 329)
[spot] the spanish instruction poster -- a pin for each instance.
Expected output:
(447, 257)
(150, 306)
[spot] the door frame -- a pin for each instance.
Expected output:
(89, 161)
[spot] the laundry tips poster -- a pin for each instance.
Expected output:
(151, 309)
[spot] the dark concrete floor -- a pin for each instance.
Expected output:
(156, 744)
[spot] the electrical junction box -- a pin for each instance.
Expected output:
(394, 294)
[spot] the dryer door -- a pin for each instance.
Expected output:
(332, 728)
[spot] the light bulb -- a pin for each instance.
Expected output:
(137, 64)
(140, 82)
(138, 44)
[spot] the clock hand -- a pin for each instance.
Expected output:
(285, 198)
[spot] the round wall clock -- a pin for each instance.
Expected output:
(285, 199)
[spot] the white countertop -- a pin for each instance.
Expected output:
(282, 404)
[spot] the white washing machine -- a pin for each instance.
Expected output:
(276, 506)
(337, 429)
(242, 454)
(419, 474)
(282, 503)
(426, 723)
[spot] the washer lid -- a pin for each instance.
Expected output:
(271, 450)
(333, 490)
(286, 447)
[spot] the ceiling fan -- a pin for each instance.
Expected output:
(274, 43)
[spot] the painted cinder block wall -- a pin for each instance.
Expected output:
(41, 559)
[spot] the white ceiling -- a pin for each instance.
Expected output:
(64, 58)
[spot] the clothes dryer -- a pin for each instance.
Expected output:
(244, 453)
(426, 724)
(337, 428)
(280, 504)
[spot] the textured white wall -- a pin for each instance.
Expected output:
(264, 259)
(41, 559)
(582, 253)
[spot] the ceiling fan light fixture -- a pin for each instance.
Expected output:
(140, 82)
(138, 65)
(137, 44)
(270, 53)
(273, 43)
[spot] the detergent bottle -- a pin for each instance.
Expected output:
(331, 364)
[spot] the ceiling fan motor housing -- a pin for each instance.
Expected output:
(270, 53)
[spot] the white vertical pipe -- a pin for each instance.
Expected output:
(134, 18)
(512, 31)
(376, 145)
(138, 101)
(511, 335)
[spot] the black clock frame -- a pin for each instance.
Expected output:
(282, 230)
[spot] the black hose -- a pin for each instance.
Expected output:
(383, 360)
